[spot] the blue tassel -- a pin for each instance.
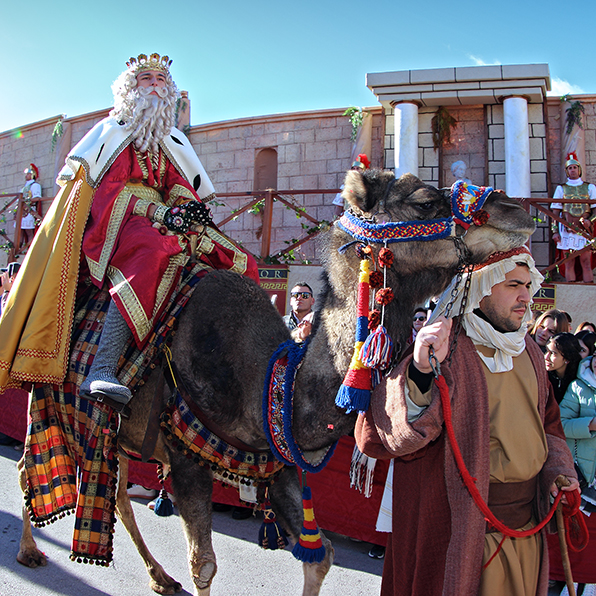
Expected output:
(163, 505)
(271, 535)
(351, 398)
(377, 349)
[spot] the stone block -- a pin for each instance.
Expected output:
(478, 73)
(425, 139)
(479, 96)
(456, 86)
(535, 114)
(285, 138)
(314, 167)
(526, 71)
(496, 167)
(425, 174)
(537, 148)
(290, 153)
(219, 134)
(499, 181)
(538, 166)
(538, 130)
(475, 128)
(496, 131)
(538, 183)
(260, 142)
(433, 75)
(328, 122)
(274, 127)
(396, 98)
(321, 151)
(304, 136)
(425, 120)
(230, 145)
(290, 168)
(590, 140)
(327, 134)
(430, 158)
(389, 142)
(440, 98)
(390, 159)
(244, 158)
(385, 79)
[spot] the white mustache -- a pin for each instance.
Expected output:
(146, 91)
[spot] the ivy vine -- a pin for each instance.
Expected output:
(441, 126)
(573, 113)
(356, 117)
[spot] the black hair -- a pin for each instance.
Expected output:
(303, 284)
(568, 346)
(588, 338)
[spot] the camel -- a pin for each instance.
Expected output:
(229, 329)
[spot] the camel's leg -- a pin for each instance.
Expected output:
(286, 500)
(28, 555)
(193, 487)
(160, 582)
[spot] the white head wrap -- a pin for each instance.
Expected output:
(506, 345)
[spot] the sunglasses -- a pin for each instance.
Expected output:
(420, 318)
(303, 295)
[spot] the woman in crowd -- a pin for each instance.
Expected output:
(562, 358)
(547, 325)
(586, 326)
(587, 342)
(578, 415)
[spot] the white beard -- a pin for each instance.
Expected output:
(149, 118)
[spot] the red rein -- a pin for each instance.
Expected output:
(573, 497)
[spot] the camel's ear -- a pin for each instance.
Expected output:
(363, 190)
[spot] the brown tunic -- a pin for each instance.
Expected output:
(438, 541)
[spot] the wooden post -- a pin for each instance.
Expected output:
(267, 221)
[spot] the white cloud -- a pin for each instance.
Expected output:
(561, 87)
(480, 62)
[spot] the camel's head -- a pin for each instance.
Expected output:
(425, 262)
(375, 196)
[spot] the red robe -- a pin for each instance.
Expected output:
(142, 265)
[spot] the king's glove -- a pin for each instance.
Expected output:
(179, 218)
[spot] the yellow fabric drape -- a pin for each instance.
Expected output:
(35, 327)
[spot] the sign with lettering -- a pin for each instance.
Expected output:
(274, 280)
(545, 298)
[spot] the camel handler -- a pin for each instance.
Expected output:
(506, 422)
(130, 214)
(579, 214)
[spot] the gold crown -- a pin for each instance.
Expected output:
(153, 62)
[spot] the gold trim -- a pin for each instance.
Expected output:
(177, 192)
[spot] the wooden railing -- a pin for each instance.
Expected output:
(268, 199)
(14, 247)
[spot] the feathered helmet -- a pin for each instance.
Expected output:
(573, 161)
(32, 169)
(362, 163)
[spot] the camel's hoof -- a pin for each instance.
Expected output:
(167, 585)
(32, 558)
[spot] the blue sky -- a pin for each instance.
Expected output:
(249, 58)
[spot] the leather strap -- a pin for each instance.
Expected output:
(153, 428)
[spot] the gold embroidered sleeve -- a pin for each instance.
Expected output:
(180, 194)
(141, 207)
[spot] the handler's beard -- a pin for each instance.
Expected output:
(150, 116)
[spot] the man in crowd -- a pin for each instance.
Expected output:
(507, 425)
(300, 319)
(31, 193)
(133, 207)
(578, 214)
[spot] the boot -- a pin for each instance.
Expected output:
(101, 383)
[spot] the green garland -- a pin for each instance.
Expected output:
(573, 113)
(356, 117)
(441, 126)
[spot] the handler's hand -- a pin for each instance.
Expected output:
(435, 335)
(573, 485)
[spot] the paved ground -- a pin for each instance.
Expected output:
(244, 568)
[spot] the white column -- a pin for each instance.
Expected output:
(517, 147)
(406, 138)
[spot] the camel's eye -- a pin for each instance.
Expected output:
(426, 207)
